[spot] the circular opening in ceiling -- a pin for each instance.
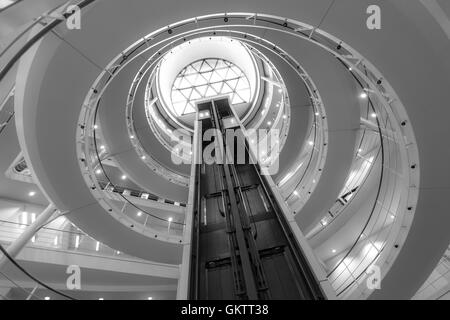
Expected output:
(202, 68)
(208, 78)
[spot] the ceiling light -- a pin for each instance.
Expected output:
(363, 95)
(95, 126)
(280, 90)
(170, 219)
(373, 115)
(131, 137)
(360, 150)
(269, 123)
(143, 157)
(32, 193)
(47, 298)
(77, 241)
(101, 299)
(97, 246)
(316, 113)
(295, 193)
(24, 218)
(139, 213)
(102, 147)
(350, 69)
(284, 116)
(333, 251)
(98, 171)
(150, 298)
(124, 177)
(311, 143)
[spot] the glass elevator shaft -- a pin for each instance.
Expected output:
(242, 245)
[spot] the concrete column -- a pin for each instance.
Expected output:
(14, 249)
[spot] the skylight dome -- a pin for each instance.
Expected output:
(208, 78)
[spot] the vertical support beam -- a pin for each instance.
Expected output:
(15, 248)
(183, 280)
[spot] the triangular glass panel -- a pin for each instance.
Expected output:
(221, 64)
(212, 63)
(226, 88)
(190, 70)
(195, 95)
(176, 83)
(233, 83)
(186, 93)
(177, 96)
(189, 109)
(233, 72)
(200, 80)
(215, 77)
(202, 90)
(242, 84)
(197, 65)
(192, 78)
(184, 84)
(217, 87)
(207, 75)
(236, 99)
(206, 66)
(222, 73)
(210, 92)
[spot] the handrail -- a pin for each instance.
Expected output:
(37, 37)
(29, 27)
(29, 275)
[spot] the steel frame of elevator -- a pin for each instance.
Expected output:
(249, 278)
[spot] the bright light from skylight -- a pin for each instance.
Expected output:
(208, 78)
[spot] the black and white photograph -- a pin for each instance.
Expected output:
(224, 159)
